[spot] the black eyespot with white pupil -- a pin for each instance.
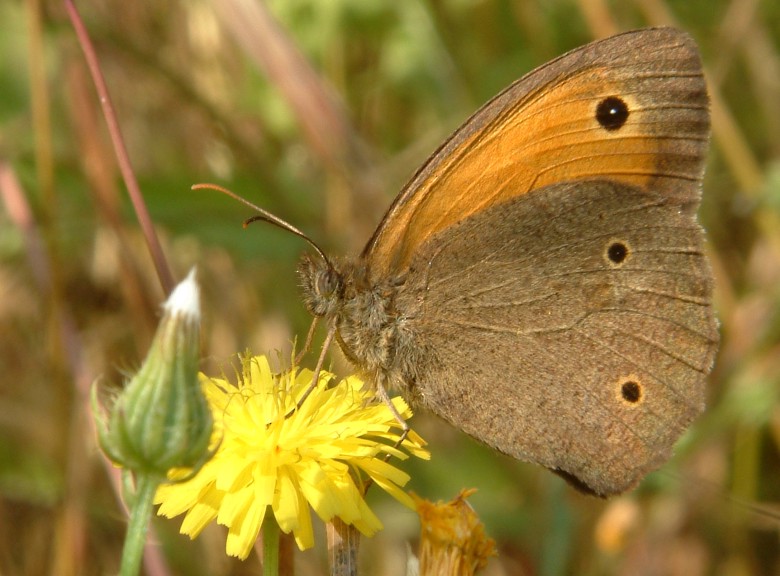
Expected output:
(612, 113)
(617, 252)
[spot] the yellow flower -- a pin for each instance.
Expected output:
(272, 455)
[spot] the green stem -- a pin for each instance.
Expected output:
(270, 547)
(133, 551)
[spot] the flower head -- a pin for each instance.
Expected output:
(278, 456)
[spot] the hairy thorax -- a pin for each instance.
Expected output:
(371, 330)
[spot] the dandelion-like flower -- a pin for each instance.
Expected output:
(278, 456)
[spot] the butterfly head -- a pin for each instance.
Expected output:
(323, 286)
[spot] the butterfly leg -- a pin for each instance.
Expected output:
(307, 343)
(381, 392)
(318, 368)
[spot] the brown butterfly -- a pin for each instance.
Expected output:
(540, 282)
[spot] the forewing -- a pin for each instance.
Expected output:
(543, 129)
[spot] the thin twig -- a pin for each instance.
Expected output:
(152, 242)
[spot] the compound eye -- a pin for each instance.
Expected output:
(327, 282)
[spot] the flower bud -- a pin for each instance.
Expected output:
(161, 420)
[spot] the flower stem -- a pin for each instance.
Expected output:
(135, 538)
(270, 547)
(343, 546)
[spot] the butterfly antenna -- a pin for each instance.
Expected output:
(265, 216)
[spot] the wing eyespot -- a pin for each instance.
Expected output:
(617, 252)
(612, 113)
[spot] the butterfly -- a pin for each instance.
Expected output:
(541, 282)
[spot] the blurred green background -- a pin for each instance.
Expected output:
(319, 111)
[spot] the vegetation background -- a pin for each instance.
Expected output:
(319, 111)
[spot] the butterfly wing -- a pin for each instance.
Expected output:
(571, 327)
(564, 121)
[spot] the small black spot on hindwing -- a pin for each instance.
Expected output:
(630, 390)
(617, 252)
